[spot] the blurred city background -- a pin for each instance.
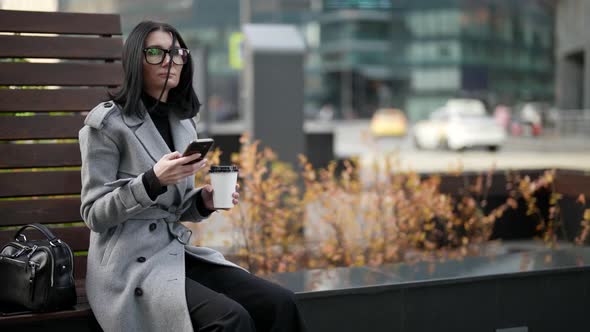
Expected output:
(485, 102)
(434, 78)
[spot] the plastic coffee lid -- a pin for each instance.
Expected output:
(223, 169)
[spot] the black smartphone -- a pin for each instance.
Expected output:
(201, 146)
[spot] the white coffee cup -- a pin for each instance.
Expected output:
(223, 180)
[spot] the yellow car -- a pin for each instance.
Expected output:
(389, 122)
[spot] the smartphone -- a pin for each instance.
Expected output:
(201, 146)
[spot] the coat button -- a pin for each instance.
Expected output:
(138, 292)
(141, 259)
(153, 227)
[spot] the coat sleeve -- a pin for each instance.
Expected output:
(191, 210)
(106, 203)
(189, 206)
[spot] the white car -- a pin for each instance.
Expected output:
(460, 124)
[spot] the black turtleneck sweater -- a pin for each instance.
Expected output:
(159, 115)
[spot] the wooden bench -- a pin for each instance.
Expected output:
(39, 167)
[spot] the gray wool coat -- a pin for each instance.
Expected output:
(136, 276)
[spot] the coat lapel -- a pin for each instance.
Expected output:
(154, 144)
(181, 137)
(148, 135)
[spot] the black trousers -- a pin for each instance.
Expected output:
(222, 298)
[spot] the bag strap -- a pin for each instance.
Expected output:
(53, 240)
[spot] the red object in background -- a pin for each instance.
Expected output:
(518, 128)
(515, 129)
(537, 129)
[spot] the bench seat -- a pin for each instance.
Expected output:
(78, 318)
(40, 180)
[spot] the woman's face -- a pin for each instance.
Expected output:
(154, 75)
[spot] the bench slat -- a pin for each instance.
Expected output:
(40, 183)
(39, 155)
(80, 263)
(61, 47)
(61, 74)
(80, 311)
(46, 211)
(67, 23)
(57, 100)
(76, 237)
(40, 127)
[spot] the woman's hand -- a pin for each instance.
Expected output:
(171, 168)
(207, 195)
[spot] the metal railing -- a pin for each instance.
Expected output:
(573, 123)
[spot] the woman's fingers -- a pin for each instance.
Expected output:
(172, 155)
(196, 166)
(173, 167)
(208, 188)
(200, 164)
(187, 170)
(184, 160)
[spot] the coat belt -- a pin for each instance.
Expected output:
(158, 213)
(171, 217)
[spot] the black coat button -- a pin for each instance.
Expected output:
(138, 292)
(153, 227)
(141, 259)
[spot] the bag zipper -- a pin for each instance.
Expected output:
(35, 247)
(14, 260)
(21, 249)
(32, 279)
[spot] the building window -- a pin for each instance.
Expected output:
(434, 52)
(436, 79)
(434, 23)
(356, 4)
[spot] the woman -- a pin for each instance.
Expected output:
(142, 274)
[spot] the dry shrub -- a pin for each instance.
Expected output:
(585, 223)
(268, 221)
(318, 218)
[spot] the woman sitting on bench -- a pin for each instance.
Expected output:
(143, 275)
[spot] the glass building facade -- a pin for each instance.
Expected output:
(415, 54)
(367, 54)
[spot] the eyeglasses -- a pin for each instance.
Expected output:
(156, 55)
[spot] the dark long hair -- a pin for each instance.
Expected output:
(129, 94)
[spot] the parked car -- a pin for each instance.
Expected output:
(460, 124)
(389, 122)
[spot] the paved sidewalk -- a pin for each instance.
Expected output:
(549, 143)
(442, 161)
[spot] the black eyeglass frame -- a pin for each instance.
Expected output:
(171, 53)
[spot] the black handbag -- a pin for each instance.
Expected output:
(36, 275)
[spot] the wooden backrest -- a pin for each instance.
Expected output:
(42, 107)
